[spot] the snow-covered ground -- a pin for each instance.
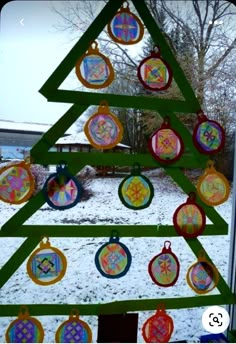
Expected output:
(84, 284)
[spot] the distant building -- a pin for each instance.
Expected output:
(17, 138)
(79, 143)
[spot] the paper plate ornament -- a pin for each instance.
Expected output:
(164, 268)
(212, 187)
(189, 218)
(202, 276)
(16, 183)
(62, 190)
(136, 191)
(113, 259)
(74, 330)
(93, 69)
(125, 27)
(165, 144)
(46, 265)
(103, 129)
(208, 135)
(154, 73)
(159, 327)
(25, 329)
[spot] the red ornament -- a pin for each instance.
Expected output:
(208, 135)
(154, 73)
(165, 144)
(164, 268)
(158, 328)
(189, 218)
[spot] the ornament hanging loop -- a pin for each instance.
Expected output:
(192, 197)
(210, 164)
(160, 308)
(125, 6)
(201, 256)
(74, 314)
(104, 107)
(114, 236)
(136, 169)
(167, 247)
(24, 312)
(156, 51)
(93, 47)
(44, 244)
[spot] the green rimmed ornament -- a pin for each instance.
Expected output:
(136, 191)
(113, 259)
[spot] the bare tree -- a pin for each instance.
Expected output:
(210, 30)
(206, 30)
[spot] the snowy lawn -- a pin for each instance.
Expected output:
(84, 284)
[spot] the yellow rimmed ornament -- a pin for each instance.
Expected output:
(125, 27)
(74, 330)
(25, 329)
(202, 276)
(47, 265)
(93, 69)
(212, 187)
(17, 183)
(103, 129)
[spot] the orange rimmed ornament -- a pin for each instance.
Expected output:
(202, 276)
(73, 330)
(17, 183)
(212, 187)
(125, 27)
(25, 329)
(103, 129)
(46, 265)
(93, 69)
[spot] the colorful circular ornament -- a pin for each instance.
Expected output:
(125, 27)
(154, 73)
(189, 218)
(62, 190)
(74, 330)
(25, 329)
(136, 191)
(46, 265)
(159, 327)
(212, 187)
(103, 129)
(93, 69)
(16, 183)
(208, 135)
(164, 268)
(165, 144)
(113, 259)
(202, 276)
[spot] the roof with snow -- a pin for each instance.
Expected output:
(79, 138)
(40, 128)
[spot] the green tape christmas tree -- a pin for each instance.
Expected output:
(76, 161)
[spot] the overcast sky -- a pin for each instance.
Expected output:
(30, 50)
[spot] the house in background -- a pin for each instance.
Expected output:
(79, 143)
(17, 138)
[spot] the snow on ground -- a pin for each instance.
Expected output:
(84, 284)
